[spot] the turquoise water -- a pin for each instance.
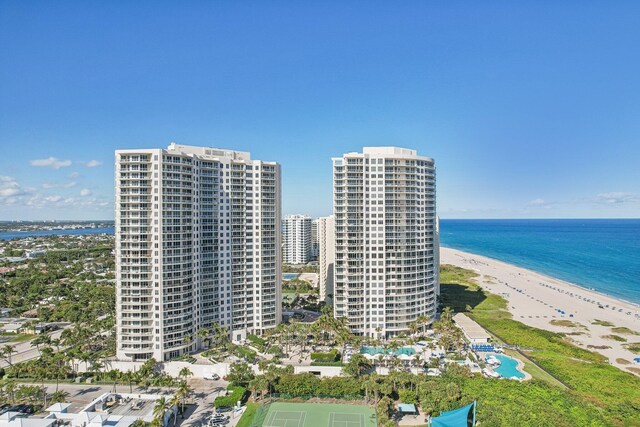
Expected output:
(379, 350)
(602, 254)
(508, 367)
(289, 276)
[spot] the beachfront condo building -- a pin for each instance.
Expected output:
(197, 243)
(327, 257)
(297, 239)
(315, 244)
(385, 274)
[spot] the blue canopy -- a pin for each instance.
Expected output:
(455, 418)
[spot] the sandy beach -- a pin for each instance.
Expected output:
(537, 300)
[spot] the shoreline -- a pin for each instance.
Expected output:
(636, 305)
(544, 302)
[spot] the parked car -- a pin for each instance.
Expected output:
(212, 376)
(218, 415)
(224, 409)
(23, 409)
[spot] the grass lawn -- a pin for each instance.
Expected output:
(288, 414)
(247, 416)
(19, 337)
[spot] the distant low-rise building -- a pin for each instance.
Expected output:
(11, 328)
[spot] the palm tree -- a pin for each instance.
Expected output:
(187, 341)
(59, 396)
(10, 388)
(7, 354)
(129, 377)
(174, 403)
(204, 335)
(185, 372)
(159, 410)
(183, 391)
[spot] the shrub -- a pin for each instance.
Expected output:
(237, 395)
(330, 356)
(257, 342)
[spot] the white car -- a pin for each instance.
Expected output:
(211, 376)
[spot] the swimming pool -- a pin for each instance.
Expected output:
(508, 366)
(289, 276)
(379, 350)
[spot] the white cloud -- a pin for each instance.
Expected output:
(52, 162)
(48, 185)
(92, 163)
(74, 175)
(13, 194)
(617, 197)
(537, 202)
(9, 187)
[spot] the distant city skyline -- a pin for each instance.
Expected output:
(530, 110)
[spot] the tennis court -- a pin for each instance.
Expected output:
(283, 414)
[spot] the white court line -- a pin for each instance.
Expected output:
(301, 420)
(270, 423)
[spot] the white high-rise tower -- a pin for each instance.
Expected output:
(385, 231)
(327, 257)
(297, 239)
(197, 242)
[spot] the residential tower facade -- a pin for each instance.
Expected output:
(297, 239)
(197, 242)
(327, 257)
(385, 232)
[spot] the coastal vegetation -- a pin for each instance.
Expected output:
(593, 383)
(624, 330)
(633, 347)
(306, 268)
(602, 323)
(566, 323)
(614, 338)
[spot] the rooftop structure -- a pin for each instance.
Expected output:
(472, 331)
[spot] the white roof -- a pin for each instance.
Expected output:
(471, 329)
(58, 407)
(28, 422)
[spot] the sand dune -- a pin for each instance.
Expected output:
(534, 299)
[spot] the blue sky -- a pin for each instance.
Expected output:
(530, 109)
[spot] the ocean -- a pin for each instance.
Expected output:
(600, 254)
(8, 235)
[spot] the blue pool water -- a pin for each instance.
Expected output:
(602, 254)
(508, 367)
(289, 276)
(379, 350)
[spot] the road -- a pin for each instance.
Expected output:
(24, 351)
